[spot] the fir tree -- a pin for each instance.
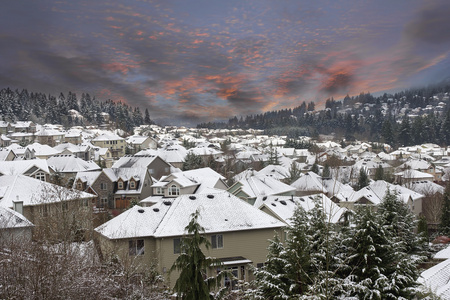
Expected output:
(444, 226)
(326, 171)
(193, 282)
(192, 161)
(379, 173)
(363, 179)
(294, 173)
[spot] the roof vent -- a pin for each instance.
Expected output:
(283, 202)
(226, 219)
(264, 198)
(210, 196)
(140, 210)
(192, 197)
(168, 203)
(156, 209)
(273, 204)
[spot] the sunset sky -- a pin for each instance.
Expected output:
(191, 61)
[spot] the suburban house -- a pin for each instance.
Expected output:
(174, 154)
(36, 168)
(309, 184)
(373, 194)
(47, 206)
(5, 127)
(113, 142)
(7, 154)
(283, 207)
(83, 151)
(50, 137)
(14, 228)
(421, 166)
(22, 153)
(252, 187)
(73, 137)
(115, 188)
(24, 126)
(188, 182)
(4, 140)
(239, 234)
(137, 143)
(155, 164)
(42, 151)
(67, 166)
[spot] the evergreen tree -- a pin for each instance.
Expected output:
(363, 179)
(315, 168)
(147, 119)
(192, 161)
(444, 226)
(379, 173)
(193, 282)
(294, 173)
(404, 135)
(387, 133)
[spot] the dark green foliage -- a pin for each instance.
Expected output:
(326, 171)
(444, 227)
(379, 173)
(315, 168)
(192, 161)
(20, 105)
(193, 282)
(294, 173)
(363, 179)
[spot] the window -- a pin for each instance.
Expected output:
(132, 185)
(40, 176)
(159, 191)
(177, 246)
(79, 185)
(136, 247)
(103, 186)
(217, 241)
(120, 185)
(174, 190)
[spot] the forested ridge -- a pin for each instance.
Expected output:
(16, 105)
(405, 118)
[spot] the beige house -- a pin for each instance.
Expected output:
(239, 234)
(113, 142)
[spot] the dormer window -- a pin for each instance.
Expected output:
(79, 185)
(120, 185)
(132, 184)
(40, 176)
(174, 190)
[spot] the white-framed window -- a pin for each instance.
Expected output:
(40, 176)
(176, 245)
(103, 186)
(132, 184)
(136, 247)
(217, 241)
(159, 191)
(174, 190)
(120, 185)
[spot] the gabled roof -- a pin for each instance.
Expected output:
(414, 174)
(263, 186)
(34, 192)
(22, 166)
(376, 191)
(309, 182)
(129, 161)
(88, 177)
(70, 163)
(284, 206)
(107, 137)
(203, 177)
(437, 279)
(220, 212)
(275, 171)
(12, 219)
(42, 150)
(425, 187)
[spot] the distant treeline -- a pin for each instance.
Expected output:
(41, 108)
(388, 118)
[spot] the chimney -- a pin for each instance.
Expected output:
(18, 205)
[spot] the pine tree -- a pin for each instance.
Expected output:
(326, 171)
(444, 226)
(363, 179)
(192, 161)
(147, 119)
(379, 173)
(294, 173)
(193, 282)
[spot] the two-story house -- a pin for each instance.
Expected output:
(238, 232)
(113, 142)
(155, 164)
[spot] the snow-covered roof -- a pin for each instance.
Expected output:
(107, 137)
(220, 212)
(425, 187)
(414, 174)
(42, 150)
(34, 192)
(284, 206)
(437, 279)
(264, 186)
(12, 219)
(274, 171)
(309, 182)
(443, 254)
(70, 163)
(22, 166)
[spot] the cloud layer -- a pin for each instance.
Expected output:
(195, 61)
